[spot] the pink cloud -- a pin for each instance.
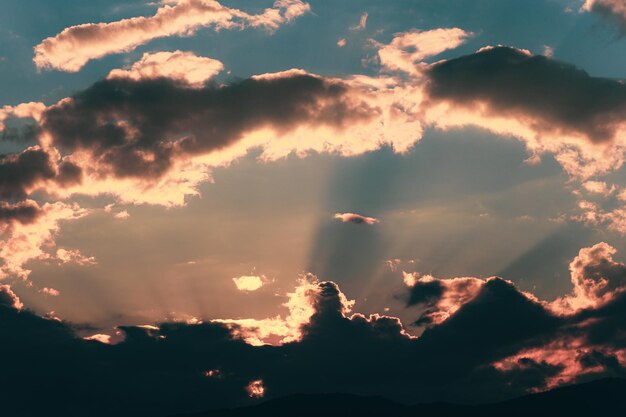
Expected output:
(24, 110)
(74, 256)
(51, 292)
(355, 218)
(71, 49)
(613, 9)
(599, 187)
(26, 242)
(178, 65)
(596, 279)
(300, 305)
(250, 282)
(345, 116)
(408, 49)
(102, 338)
(362, 22)
(122, 215)
(593, 214)
(496, 90)
(440, 298)
(256, 389)
(567, 355)
(8, 298)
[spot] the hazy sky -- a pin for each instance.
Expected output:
(190, 161)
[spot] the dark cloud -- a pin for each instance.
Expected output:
(612, 10)
(497, 323)
(24, 212)
(548, 94)
(8, 299)
(162, 370)
(19, 172)
(24, 171)
(137, 128)
(597, 358)
(425, 292)
(21, 134)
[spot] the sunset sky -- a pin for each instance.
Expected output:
(211, 203)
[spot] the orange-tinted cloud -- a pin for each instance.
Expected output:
(277, 330)
(362, 23)
(158, 151)
(611, 9)
(596, 278)
(500, 343)
(8, 298)
(408, 49)
(71, 49)
(32, 110)
(181, 66)
(25, 242)
(550, 105)
(256, 389)
(440, 298)
(24, 212)
(355, 218)
(250, 282)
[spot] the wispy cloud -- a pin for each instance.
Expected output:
(71, 49)
(355, 218)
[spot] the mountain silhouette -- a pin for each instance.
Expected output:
(605, 397)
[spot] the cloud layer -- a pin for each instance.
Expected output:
(498, 342)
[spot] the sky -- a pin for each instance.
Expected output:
(211, 203)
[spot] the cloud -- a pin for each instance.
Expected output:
(102, 338)
(552, 106)
(499, 343)
(122, 215)
(256, 389)
(355, 218)
(610, 9)
(51, 292)
(24, 110)
(408, 49)
(66, 256)
(599, 187)
(181, 66)
(593, 214)
(596, 276)
(362, 23)
(71, 49)
(9, 299)
(250, 282)
(301, 307)
(21, 173)
(138, 128)
(109, 139)
(158, 150)
(440, 298)
(23, 212)
(24, 242)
